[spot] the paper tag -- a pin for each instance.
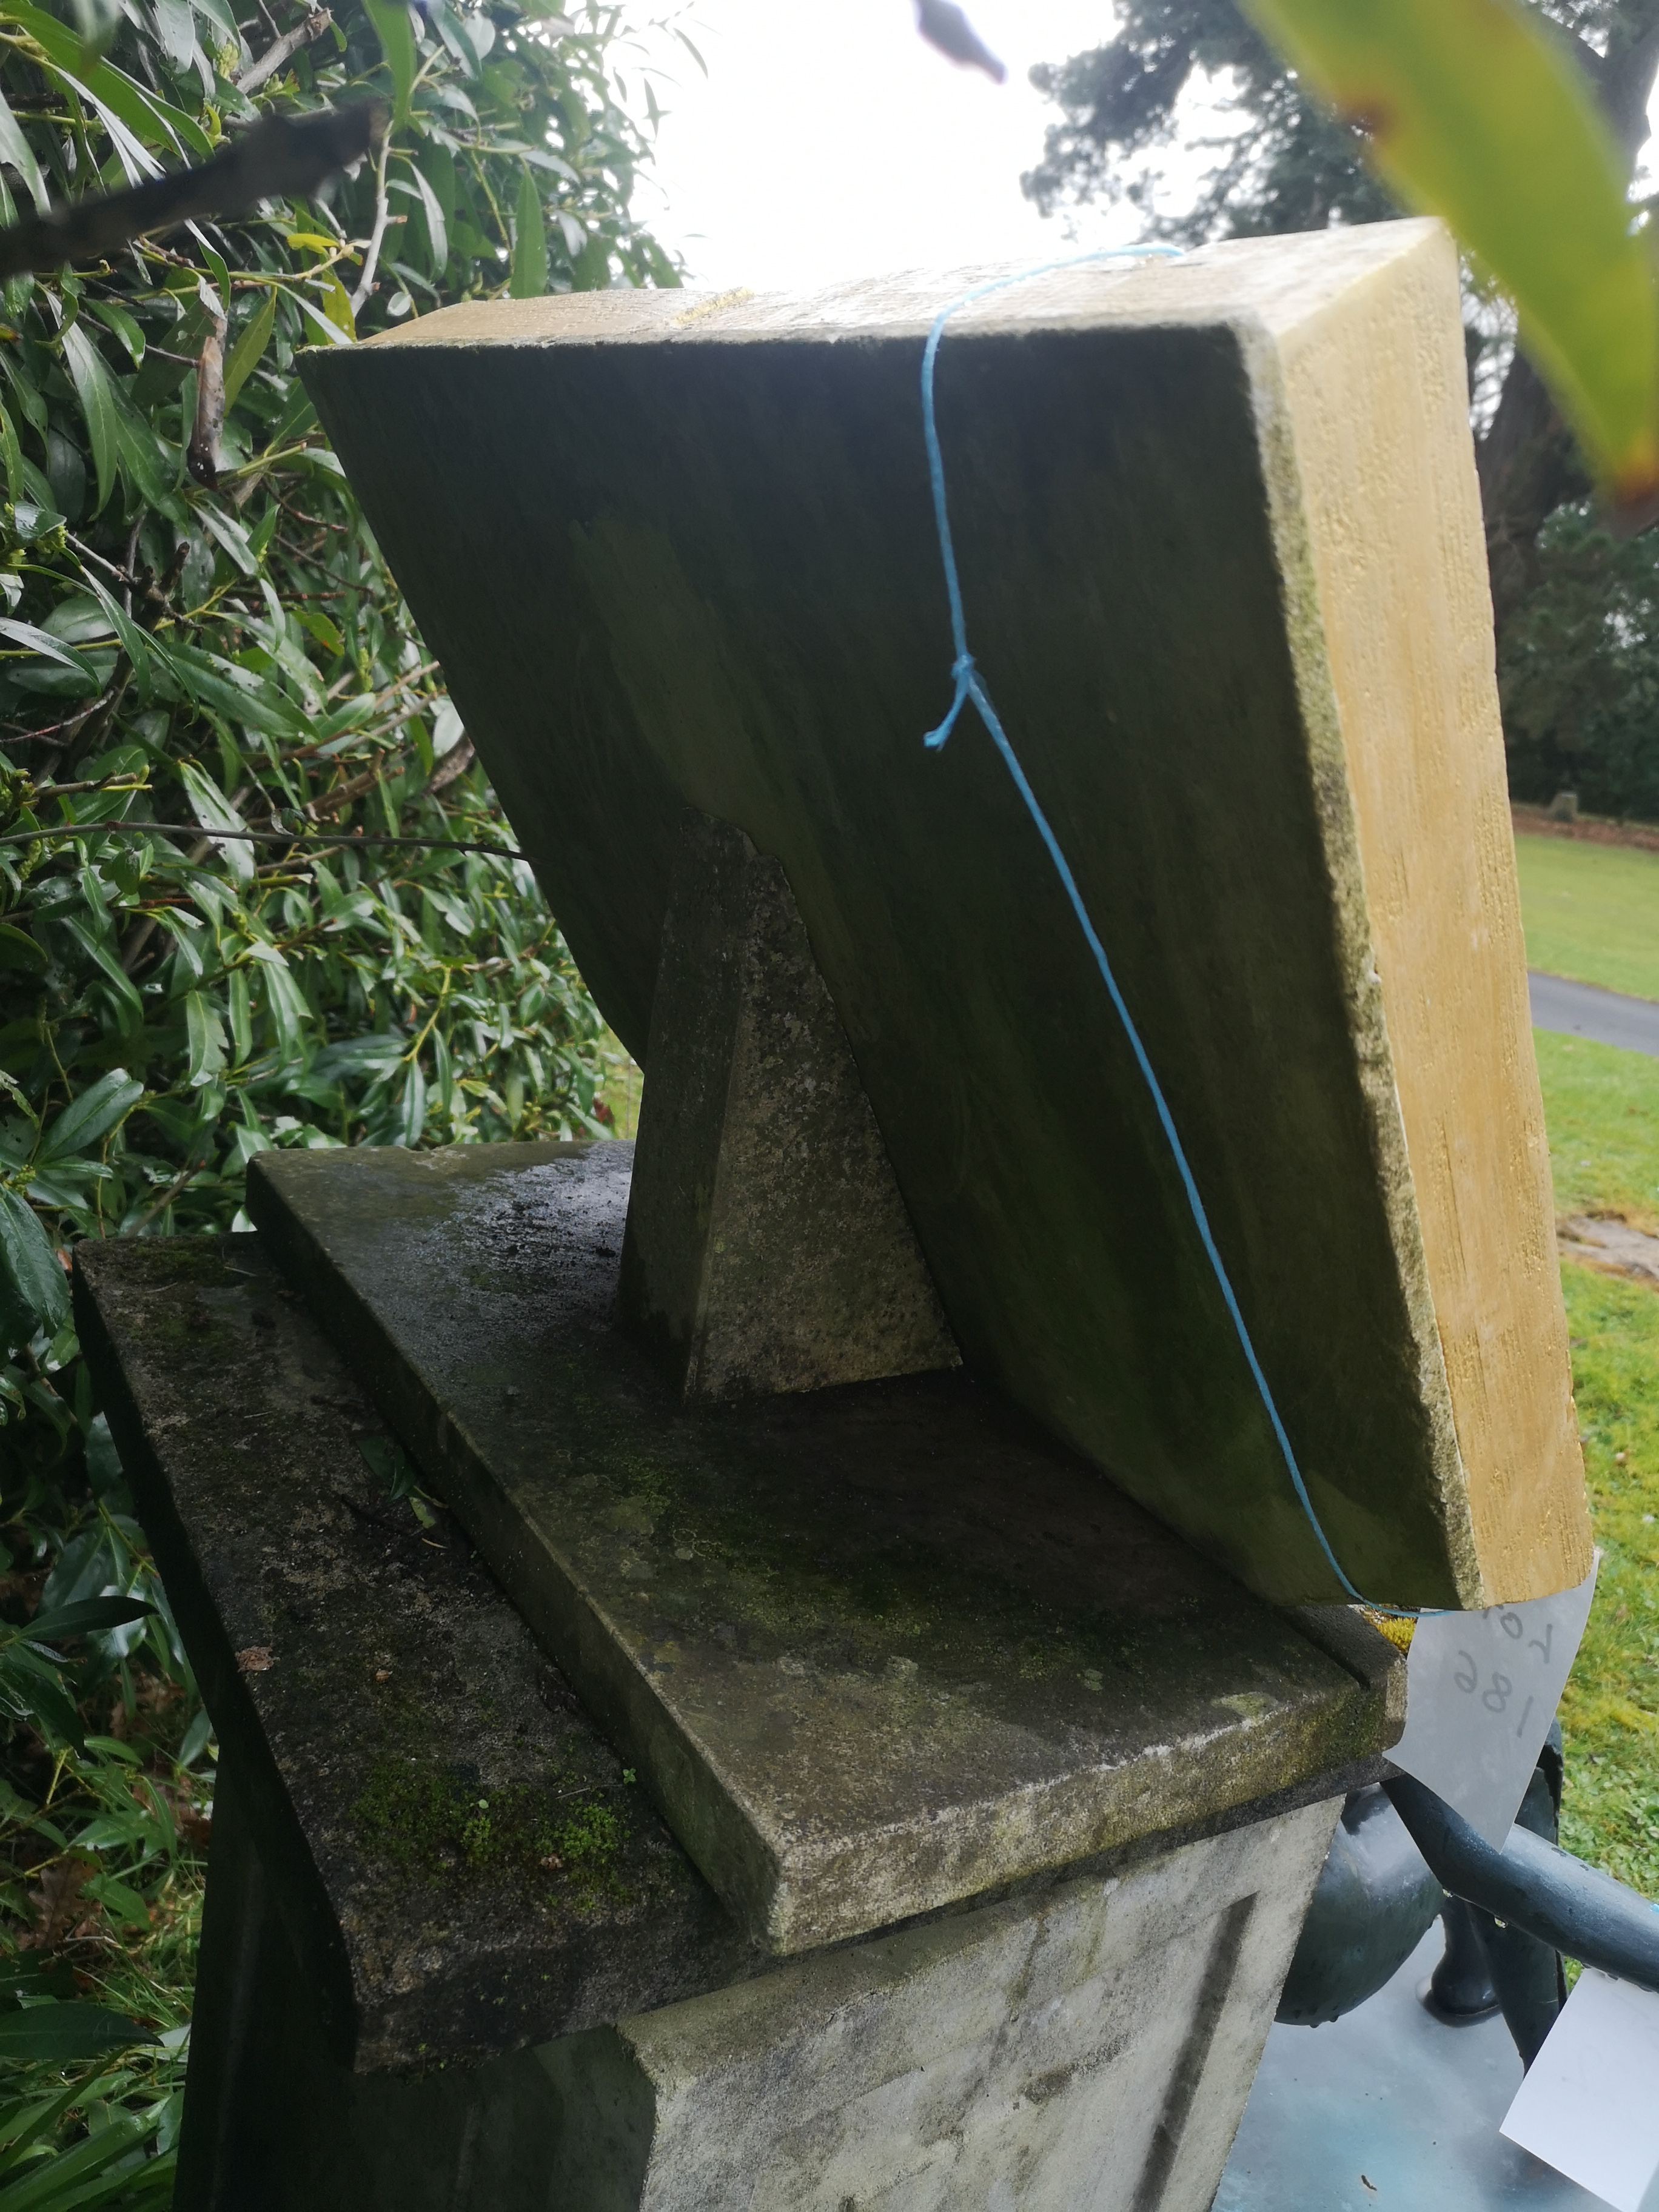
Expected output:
(1589, 2106)
(1481, 1690)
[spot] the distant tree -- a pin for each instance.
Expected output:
(1285, 164)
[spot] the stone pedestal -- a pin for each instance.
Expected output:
(455, 1956)
(1086, 2051)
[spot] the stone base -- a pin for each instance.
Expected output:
(1089, 2050)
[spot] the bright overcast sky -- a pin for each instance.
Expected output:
(828, 140)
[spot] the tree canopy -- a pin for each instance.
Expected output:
(1283, 163)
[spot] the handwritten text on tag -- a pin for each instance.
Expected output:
(1481, 1690)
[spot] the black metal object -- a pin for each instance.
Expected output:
(1526, 1974)
(1534, 1887)
(1459, 1990)
(1371, 1906)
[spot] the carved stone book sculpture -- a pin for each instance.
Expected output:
(1220, 544)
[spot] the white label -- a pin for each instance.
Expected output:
(1481, 1690)
(1590, 2105)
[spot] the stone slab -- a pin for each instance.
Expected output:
(385, 1687)
(878, 1649)
(1221, 551)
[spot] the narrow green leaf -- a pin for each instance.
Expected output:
(437, 230)
(140, 647)
(29, 1266)
(87, 1120)
(529, 274)
(204, 1038)
(176, 25)
(1474, 112)
(87, 1616)
(11, 454)
(392, 28)
(94, 389)
(152, 119)
(231, 535)
(41, 640)
(17, 154)
(241, 1014)
(55, 2035)
(285, 1002)
(79, 2178)
(251, 343)
(31, 1690)
(126, 328)
(18, 949)
(103, 959)
(235, 692)
(214, 812)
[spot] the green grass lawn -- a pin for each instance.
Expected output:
(1601, 1111)
(1591, 912)
(1610, 1714)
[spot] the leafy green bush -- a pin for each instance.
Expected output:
(198, 630)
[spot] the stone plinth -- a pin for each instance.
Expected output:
(876, 1649)
(409, 2003)
(1221, 553)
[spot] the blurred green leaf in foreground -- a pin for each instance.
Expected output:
(1473, 112)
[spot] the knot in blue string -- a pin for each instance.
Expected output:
(969, 685)
(963, 669)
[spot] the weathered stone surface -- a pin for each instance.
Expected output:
(767, 1246)
(384, 1689)
(1087, 2048)
(876, 1649)
(1220, 544)
(1089, 2053)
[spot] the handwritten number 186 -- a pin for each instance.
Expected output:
(1497, 1695)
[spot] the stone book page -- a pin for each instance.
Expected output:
(1219, 542)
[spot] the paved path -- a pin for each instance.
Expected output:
(1607, 1017)
(1386, 2111)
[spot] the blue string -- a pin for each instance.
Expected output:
(969, 685)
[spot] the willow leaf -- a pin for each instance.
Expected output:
(392, 28)
(94, 388)
(529, 277)
(17, 154)
(1474, 113)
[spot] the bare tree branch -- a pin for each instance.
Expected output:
(282, 50)
(372, 259)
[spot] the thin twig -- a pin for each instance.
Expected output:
(124, 780)
(366, 284)
(166, 1198)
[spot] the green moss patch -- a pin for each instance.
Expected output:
(441, 1827)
